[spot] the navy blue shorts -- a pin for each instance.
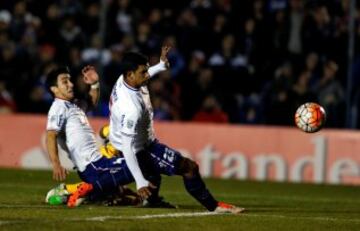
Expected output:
(163, 159)
(106, 174)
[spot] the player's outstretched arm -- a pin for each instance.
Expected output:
(132, 162)
(163, 64)
(143, 186)
(164, 53)
(59, 172)
(91, 77)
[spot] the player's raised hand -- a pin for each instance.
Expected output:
(145, 192)
(90, 75)
(164, 52)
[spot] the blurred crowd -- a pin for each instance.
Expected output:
(233, 61)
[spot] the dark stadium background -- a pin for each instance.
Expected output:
(233, 61)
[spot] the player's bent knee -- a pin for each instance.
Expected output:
(189, 168)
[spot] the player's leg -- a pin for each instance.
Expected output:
(194, 184)
(124, 197)
(152, 174)
(170, 162)
(61, 193)
(197, 188)
(105, 176)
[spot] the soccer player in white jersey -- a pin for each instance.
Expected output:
(68, 126)
(131, 132)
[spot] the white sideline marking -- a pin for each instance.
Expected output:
(142, 217)
(10, 222)
(201, 214)
(195, 214)
(145, 217)
(24, 206)
(305, 218)
(5, 222)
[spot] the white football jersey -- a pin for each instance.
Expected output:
(131, 116)
(75, 134)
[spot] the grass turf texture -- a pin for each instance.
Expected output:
(270, 206)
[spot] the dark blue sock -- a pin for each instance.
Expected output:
(155, 180)
(196, 187)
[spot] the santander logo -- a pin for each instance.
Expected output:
(305, 167)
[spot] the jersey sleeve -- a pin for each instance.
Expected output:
(132, 162)
(153, 70)
(56, 118)
(128, 123)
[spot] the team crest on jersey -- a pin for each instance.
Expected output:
(130, 124)
(53, 118)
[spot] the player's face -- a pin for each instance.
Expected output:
(141, 75)
(65, 88)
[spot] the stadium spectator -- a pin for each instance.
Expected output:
(301, 90)
(167, 92)
(161, 108)
(312, 66)
(193, 93)
(331, 95)
(70, 35)
(277, 99)
(95, 53)
(210, 111)
(145, 40)
(249, 109)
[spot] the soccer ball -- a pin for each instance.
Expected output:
(59, 190)
(310, 117)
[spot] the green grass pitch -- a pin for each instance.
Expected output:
(270, 206)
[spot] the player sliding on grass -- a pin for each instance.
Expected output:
(123, 196)
(68, 126)
(131, 132)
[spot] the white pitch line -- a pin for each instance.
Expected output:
(201, 214)
(194, 214)
(24, 206)
(10, 222)
(304, 218)
(154, 216)
(142, 217)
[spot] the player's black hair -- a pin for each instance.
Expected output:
(51, 79)
(131, 61)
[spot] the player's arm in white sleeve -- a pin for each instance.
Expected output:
(129, 153)
(55, 122)
(163, 64)
(128, 134)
